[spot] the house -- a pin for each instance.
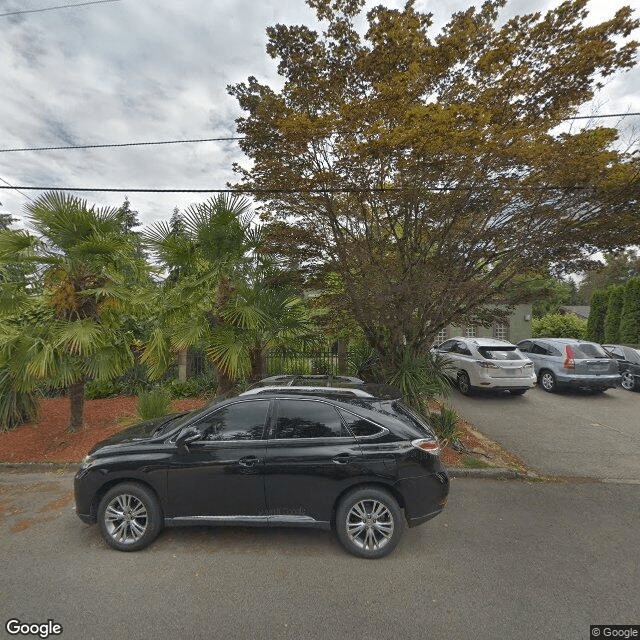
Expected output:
(582, 311)
(516, 328)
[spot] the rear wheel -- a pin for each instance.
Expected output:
(464, 384)
(369, 522)
(628, 381)
(548, 381)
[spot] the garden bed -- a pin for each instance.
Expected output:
(47, 439)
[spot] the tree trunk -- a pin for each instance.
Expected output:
(182, 364)
(76, 404)
(258, 363)
(225, 383)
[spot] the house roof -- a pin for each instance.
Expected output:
(580, 310)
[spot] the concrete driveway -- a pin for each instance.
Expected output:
(569, 433)
(506, 559)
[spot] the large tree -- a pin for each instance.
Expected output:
(428, 172)
(73, 330)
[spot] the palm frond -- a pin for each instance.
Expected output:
(82, 337)
(157, 355)
(229, 353)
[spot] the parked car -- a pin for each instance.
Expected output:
(566, 362)
(271, 456)
(485, 363)
(628, 364)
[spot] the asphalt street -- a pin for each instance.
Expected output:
(569, 433)
(507, 559)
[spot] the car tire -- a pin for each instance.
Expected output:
(130, 517)
(548, 381)
(369, 522)
(628, 381)
(464, 384)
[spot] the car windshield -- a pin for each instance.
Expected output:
(632, 355)
(499, 353)
(588, 351)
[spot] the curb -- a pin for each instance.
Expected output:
(38, 467)
(499, 473)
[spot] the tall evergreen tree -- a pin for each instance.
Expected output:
(614, 314)
(630, 320)
(597, 314)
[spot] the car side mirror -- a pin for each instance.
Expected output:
(187, 436)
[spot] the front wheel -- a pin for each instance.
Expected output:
(628, 381)
(130, 517)
(369, 522)
(548, 381)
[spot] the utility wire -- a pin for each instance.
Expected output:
(10, 186)
(62, 6)
(123, 144)
(226, 139)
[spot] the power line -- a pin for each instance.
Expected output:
(225, 139)
(10, 186)
(61, 6)
(123, 144)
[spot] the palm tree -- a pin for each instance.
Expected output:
(73, 330)
(218, 294)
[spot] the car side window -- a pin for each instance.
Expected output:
(539, 349)
(462, 349)
(307, 419)
(238, 421)
(446, 346)
(359, 427)
(525, 346)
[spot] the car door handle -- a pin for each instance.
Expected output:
(342, 458)
(248, 461)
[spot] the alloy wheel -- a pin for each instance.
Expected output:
(126, 518)
(628, 381)
(370, 525)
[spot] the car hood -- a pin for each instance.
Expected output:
(141, 431)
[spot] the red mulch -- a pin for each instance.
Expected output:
(48, 440)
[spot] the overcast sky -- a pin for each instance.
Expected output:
(143, 70)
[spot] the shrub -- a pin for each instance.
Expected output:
(556, 325)
(154, 404)
(16, 407)
(445, 423)
(96, 389)
(189, 388)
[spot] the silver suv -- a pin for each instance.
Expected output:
(566, 362)
(485, 363)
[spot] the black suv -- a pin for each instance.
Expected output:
(274, 456)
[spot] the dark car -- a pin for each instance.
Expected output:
(270, 457)
(628, 364)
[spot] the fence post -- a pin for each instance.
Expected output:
(182, 364)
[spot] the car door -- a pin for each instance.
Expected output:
(310, 459)
(221, 475)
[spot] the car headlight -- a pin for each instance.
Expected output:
(87, 461)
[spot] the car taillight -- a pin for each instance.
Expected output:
(427, 445)
(569, 362)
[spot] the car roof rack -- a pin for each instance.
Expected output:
(316, 391)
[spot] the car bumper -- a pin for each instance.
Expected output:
(424, 496)
(523, 382)
(589, 381)
(84, 492)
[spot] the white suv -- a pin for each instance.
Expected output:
(485, 363)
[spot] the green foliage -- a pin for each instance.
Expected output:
(189, 388)
(614, 314)
(556, 325)
(597, 315)
(154, 404)
(16, 406)
(630, 319)
(445, 423)
(288, 366)
(408, 158)
(97, 389)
